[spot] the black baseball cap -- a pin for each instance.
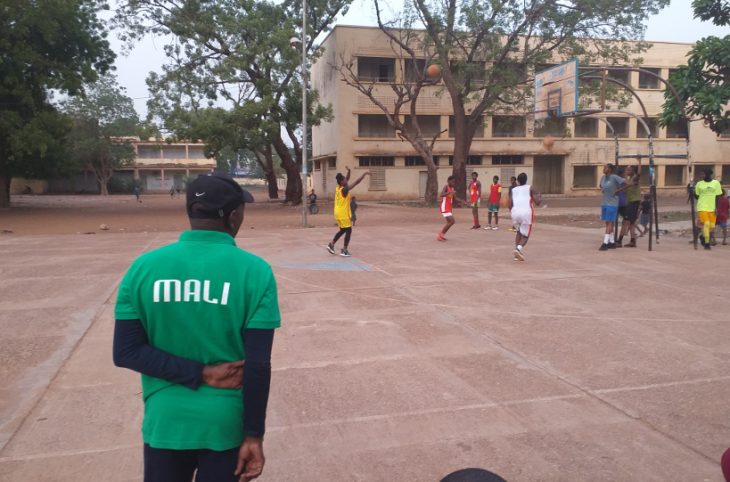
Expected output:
(216, 194)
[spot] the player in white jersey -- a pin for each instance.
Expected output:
(521, 201)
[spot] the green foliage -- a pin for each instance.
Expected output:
(703, 85)
(233, 79)
(104, 120)
(45, 46)
(715, 11)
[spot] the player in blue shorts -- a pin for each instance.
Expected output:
(610, 185)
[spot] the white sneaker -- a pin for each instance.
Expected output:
(519, 253)
(495, 228)
(487, 227)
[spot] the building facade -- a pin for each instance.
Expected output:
(158, 167)
(360, 137)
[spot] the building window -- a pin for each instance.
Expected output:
(677, 130)
(414, 71)
(332, 163)
(370, 161)
(461, 69)
(553, 126)
(148, 152)
(374, 125)
(585, 127)
(584, 176)
(622, 75)
(173, 152)
(647, 81)
(317, 166)
(478, 133)
(698, 170)
(508, 126)
(620, 127)
(196, 152)
(375, 69)
(651, 122)
(419, 161)
(502, 160)
(674, 175)
(430, 125)
(470, 160)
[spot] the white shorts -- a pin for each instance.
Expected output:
(522, 220)
(447, 215)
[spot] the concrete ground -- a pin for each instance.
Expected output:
(411, 360)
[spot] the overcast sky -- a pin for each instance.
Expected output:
(674, 24)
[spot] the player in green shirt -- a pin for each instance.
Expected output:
(706, 192)
(187, 317)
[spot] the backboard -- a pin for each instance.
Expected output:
(556, 90)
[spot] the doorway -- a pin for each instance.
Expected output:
(548, 174)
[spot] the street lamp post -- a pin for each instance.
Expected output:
(294, 41)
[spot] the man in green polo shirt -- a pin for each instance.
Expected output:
(196, 318)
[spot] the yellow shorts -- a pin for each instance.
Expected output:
(706, 217)
(343, 223)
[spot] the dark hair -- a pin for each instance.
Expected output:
(339, 177)
(522, 178)
(495, 178)
(611, 166)
(707, 171)
(475, 174)
(450, 178)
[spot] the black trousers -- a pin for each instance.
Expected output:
(165, 465)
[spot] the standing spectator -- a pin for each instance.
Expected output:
(706, 192)
(495, 194)
(610, 184)
(187, 316)
(632, 191)
(135, 191)
(475, 197)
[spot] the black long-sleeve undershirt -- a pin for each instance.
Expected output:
(133, 351)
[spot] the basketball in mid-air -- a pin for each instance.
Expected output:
(433, 71)
(548, 142)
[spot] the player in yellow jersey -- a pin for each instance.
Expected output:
(343, 213)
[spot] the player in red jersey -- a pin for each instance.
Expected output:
(475, 196)
(448, 195)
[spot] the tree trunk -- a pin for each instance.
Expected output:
(432, 187)
(293, 193)
(267, 165)
(5, 189)
(464, 130)
(103, 181)
(461, 151)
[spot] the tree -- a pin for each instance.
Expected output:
(488, 50)
(406, 90)
(45, 46)
(236, 55)
(703, 84)
(104, 120)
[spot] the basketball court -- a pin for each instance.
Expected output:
(407, 362)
